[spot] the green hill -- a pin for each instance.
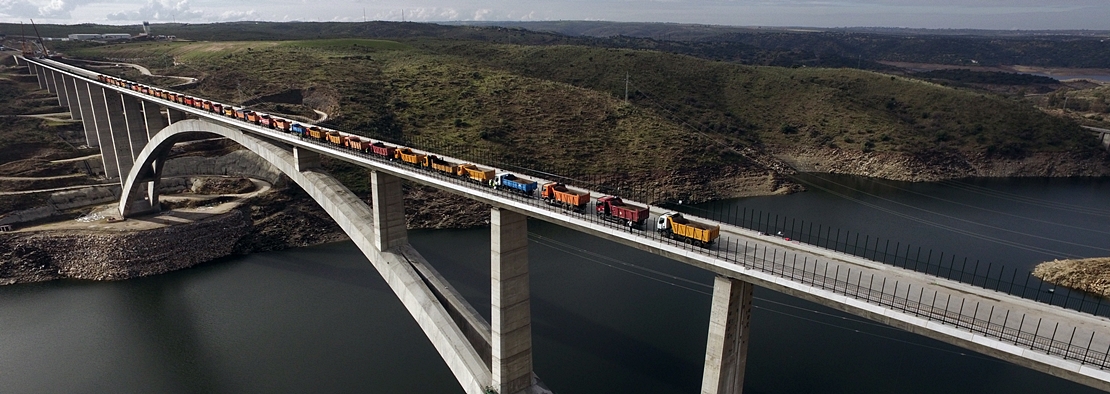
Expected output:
(700, 128)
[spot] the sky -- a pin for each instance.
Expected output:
(956, 14)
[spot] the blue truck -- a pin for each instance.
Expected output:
(515, 184)
(297, 129)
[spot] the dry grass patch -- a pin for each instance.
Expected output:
(1090, 275)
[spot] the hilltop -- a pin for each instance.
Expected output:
(697, 127)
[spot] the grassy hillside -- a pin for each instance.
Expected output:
(560, 108)
(849, 109)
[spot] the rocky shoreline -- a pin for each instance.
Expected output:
(114, 255)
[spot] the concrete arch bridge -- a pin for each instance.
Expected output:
(135, 131)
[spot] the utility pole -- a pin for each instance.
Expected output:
(626, 87)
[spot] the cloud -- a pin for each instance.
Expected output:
(53, 9)
(160, 10)
(249, 15)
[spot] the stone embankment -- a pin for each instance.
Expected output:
(1089, 275)
(112, 255)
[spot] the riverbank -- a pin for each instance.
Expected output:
(1089, 275)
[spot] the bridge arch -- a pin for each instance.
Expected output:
(356, 219)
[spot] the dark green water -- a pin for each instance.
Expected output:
(607, 319)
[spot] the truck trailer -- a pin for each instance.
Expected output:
(558, 194)
(613, 209)
(674, 226)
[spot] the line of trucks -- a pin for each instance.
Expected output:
(610, 208)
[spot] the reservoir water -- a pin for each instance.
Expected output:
(607, 319)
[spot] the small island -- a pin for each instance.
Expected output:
(1090, 275)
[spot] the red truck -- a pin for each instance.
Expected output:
(613, 209)
(558, 194)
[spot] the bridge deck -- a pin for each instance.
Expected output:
(1056, 340)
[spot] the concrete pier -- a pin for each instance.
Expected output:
(85, 109)
(174, 116)
(121, 139)
(305, 159)
(71, 97)
(135, 125)
(103, 124)
(389, 211)
(512, 315)
(726, 350)
(155, 122)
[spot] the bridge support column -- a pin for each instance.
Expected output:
(389, 211)
(726, 350)
(121, 139)
(136, 124)
(102, 122)
(85, 112)
(50, 80)
(305, 159)
(155, 122)
(71, 97)
(174, 116)
(40, 72)
(147, 200)
(55, 87)
(512, 314)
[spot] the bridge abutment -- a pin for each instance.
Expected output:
(512, 314)
(390, 230)
(726, 350)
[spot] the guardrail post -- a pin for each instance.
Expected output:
(726, 350)
(389, 211)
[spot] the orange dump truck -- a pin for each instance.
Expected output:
(356, 143)
(440, 165)
(558, 194)
(316, 133)
(335, 138)
(408, 156)
(673, 225)
(474, 173)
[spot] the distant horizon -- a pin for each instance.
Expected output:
(495, 22)
(911, 14)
